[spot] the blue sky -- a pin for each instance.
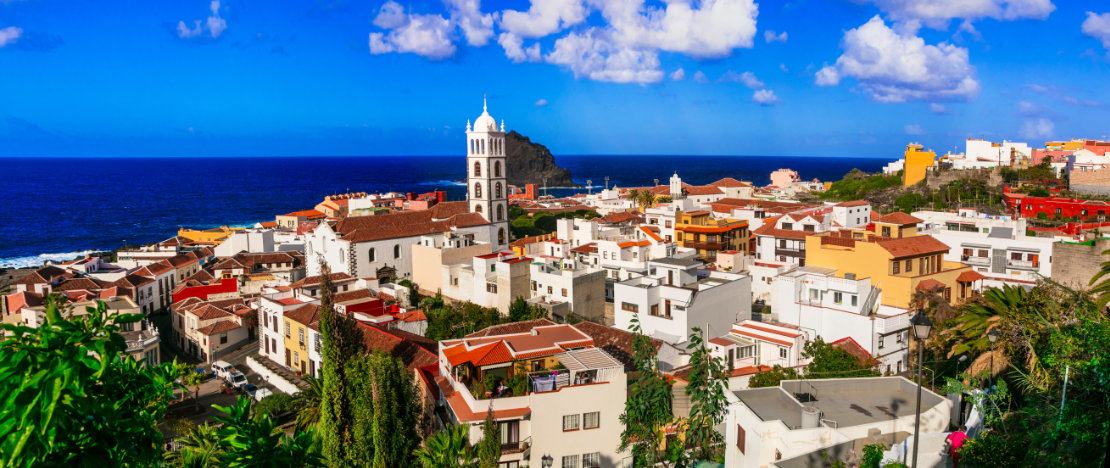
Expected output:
(823, 78)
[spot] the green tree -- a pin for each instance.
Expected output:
(828, 361)
(386, 405)
(646, 199)
(708, 382)
(200, 447)
(968, 331)
(274, 404)
(342, 343)
(648, 406)
(448, 448)
(771, 378)
(520, 310)
(72, 395)
(663, 199)
(307, 403)
(489, 448)
(257, 442)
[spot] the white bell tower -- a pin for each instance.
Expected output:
(676, 187)
(487, 189)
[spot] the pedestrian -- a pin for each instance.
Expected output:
(954, 442)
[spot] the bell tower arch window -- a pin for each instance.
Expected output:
(478, 190)
(477, 169)
(497, 190)
(500, 235)
(497, 168)
(500, 213)
(478, 209)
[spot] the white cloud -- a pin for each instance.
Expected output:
(770, 36)
(592, 55)
(544, 17)
(747, 78)
(914, 129)
(425, 35)
(893, 67)
(467, 14)
(782, 66)
(9, 35)
(765, 97)
(1037, 128)
(678, 75)
(937, 108)
(542, 102)
(937, 13)
(1029, 109)
(712, 30)
(515, 50)
(700, 77)
(1098, 27)
(214, 24)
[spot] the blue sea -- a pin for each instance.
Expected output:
(59, 208)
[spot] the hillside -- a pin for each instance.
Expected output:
(531, 163)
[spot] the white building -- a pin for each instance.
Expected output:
(486, 173)
(996, 246)
(981, 153)
(671, 300)
(563, 396)
(564, 288)
(271, 313)
(253, 240)
(822, 305)
(751, 347)
(493, 280)
(764, 425)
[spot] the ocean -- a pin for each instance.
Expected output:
(59, 208)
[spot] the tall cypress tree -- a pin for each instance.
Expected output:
(342, 342)
(386, 408)
(489, 448)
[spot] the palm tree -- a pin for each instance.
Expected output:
(969, 330)
(634, 195)
(307, 402)
(646, 198)
(447, 448)
(200, 447)
(1102, 289)
(663, 199)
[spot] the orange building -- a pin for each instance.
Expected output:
(698, 230)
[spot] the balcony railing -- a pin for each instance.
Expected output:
(705, 245)
(517, 447)
(790, 252)
(1024, 264)
(975, 260)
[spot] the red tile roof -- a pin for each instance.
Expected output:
(929, 284)
(304, 315)
(969, 276)
(440, 218)
(585, 249)
(222, 326)
(852, 347)
(616, 342)
(898, 218)
(209, 312)
(413, 350)
(912, 246)
(853, 203)
(620, 217)
(412, 316)
(768, 229)
(310, 214)
(315, 280)
(729, 182)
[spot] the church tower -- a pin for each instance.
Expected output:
(487, 190)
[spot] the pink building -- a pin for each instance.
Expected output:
(784, 178)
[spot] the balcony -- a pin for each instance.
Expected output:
(705, 245)
(1023, 264)
(517, 447)
(973, 260)
(797, 253)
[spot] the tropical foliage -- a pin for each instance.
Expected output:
(257, 442)
(525, 224)
(456, 320)
(706, 387)
(199, 447)
(648, 405)
(488, 449)
(771, 378)
(71, 394)
(342, 344)
(307, 403)
(448, 448)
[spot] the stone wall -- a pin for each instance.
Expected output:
(992, 176)
(1090, 182)
(1073, 265)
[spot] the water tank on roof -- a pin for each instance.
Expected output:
(811, 417)
(850, 276)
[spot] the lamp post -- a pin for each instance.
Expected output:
(992, 335)
(921, 329)
(547, 461)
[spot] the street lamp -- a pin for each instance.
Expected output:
(922, 326)
(547, 461)
(993, 335)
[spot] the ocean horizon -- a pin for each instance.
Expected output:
(61, 208)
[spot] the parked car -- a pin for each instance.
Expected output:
(248, 390)
(236, 379)
(222, 369)
(262, 393)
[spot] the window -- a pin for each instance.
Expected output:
(296, 358)
(898, 337)
(497, 168)
(223, 338)
(782, 243)
(287, 334)
(740, 438)
(838, 297)
(537, 365)
(630, 307)
(570, 461)
(1015, 256)
(497, 190)
(782, 352)
(909, 266)
(745, 352)
(881, 342)
(897, 267)
(591, 460)
(982, 253)
(533, 285)
(478, 190)
(549, 289)
(500, 210)
(667, 224)
(655, 310)
(591, 420)
(564, 292)
(886, 231)
(491, 288)
(788, 226)
(570, 422)
(477, 169)
(300, 335)
(808, 228)
(855, 300)
(510, 433)
(397, 251)
(319, 343)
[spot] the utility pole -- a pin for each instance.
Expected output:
(606, 182)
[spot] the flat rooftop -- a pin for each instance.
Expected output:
(679, 262)
(847, 402)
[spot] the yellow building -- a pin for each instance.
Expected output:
(1074, 145)
(698, 230)
(895, 258)
(918, 163)
(298, 340)
(208, 236)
